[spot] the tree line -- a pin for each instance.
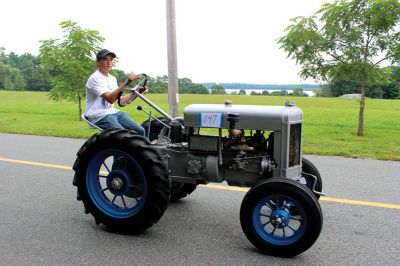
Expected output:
(27, 72)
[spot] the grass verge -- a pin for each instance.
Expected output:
(330, 124)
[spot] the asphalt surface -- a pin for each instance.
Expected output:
(41, 223)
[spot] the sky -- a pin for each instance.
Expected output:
(227, 41)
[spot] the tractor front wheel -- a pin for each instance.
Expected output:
(281, 217)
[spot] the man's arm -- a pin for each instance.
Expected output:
(112, 96)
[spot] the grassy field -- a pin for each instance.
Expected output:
(330, 124)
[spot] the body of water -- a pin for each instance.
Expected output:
(248, 92)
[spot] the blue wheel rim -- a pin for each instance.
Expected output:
(279, 220)
(116, 184)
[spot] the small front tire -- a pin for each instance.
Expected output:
(281, 217)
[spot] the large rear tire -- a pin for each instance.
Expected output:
(122, 180)
(281, 217)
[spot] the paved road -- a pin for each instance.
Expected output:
(41, 223)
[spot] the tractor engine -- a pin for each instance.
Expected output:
(237, 144)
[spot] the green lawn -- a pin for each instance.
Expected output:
(330, 124)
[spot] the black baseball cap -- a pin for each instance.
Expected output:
(103, 53)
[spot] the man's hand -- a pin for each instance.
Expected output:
(133, 76)
(142, 90)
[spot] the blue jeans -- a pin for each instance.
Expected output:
(120, 120)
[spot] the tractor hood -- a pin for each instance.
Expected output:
(246, 116)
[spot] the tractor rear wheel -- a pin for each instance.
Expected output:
(122, 180)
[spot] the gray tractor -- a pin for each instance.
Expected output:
(126, 181)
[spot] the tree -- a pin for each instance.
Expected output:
(119, 75)
(10, 78)
(187, 86)
(242, 92)
(375, 91)
(338, 88)
(279, 93)
(299, 91)
(353, 39)
(70, 61)
(391, 90)
(158, 84)
(3, 57)
(36, 77)
(218, 89)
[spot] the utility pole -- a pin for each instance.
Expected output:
(173, 93)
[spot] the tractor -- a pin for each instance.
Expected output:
(126, 181)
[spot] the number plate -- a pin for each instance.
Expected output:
(211, 119)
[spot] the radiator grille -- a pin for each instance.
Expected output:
(294, 144)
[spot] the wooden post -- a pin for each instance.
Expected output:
(173, 92)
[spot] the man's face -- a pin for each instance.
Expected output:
(105, 64)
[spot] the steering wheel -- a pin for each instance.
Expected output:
(139, 87)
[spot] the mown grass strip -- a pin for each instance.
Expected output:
(330, 124)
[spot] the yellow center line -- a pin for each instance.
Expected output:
(222, 187)
(363, 203)
(322, 198)
(36, 164)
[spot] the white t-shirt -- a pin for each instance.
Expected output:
(96, 106)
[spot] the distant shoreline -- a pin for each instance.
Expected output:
(274, 87)
(309, 92)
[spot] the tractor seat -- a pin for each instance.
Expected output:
(89, 123)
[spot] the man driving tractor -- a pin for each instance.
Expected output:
(102, 91)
